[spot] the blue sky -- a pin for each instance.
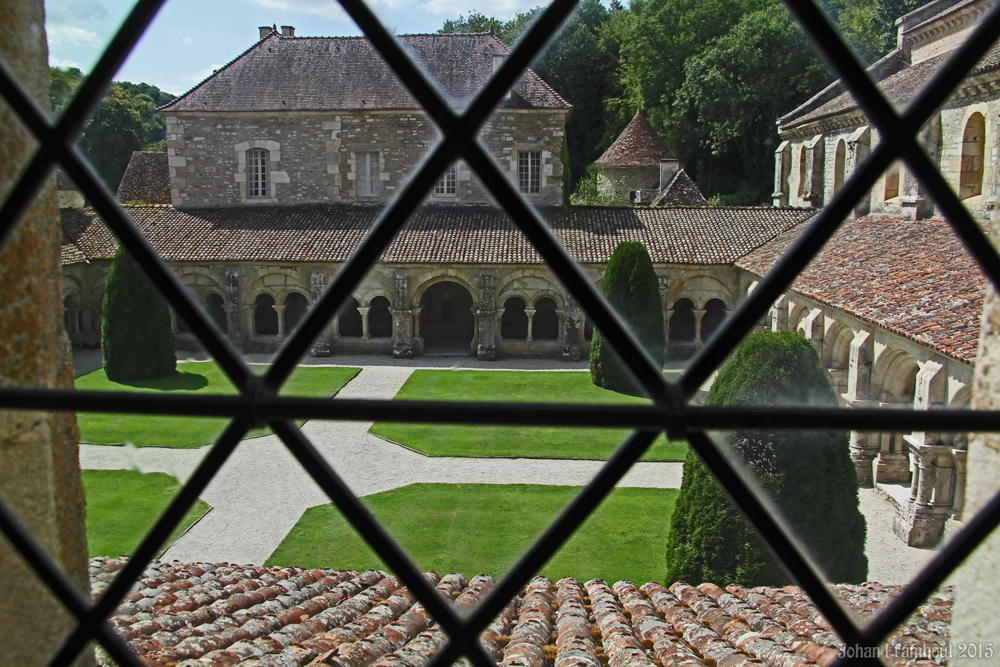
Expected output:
(190, 38)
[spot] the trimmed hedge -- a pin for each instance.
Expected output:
(631, 286)
(809, 477)
(136, 336)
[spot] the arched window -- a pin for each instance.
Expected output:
(682, 321)
(265, 317)
(295, 309)
(588, 328)
(349, 320)
(970, 182)
(715, 313)
(839, 165)
(891, 183)
(545, 323)
(216, 309)
(514, 321)
(379, 318)
(258, 172)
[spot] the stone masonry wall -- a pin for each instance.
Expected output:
(314, 154)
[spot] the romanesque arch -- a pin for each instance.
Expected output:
(216, 309)
(514, 321)
(837, 352)
(349, 321)
(681, 325)
(715, 314)
(545, 322)
(379, 318)
(447, 321)
(296, 306)
(970, 183)
(894, 377)
(265, 317)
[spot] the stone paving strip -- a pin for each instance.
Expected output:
(262, 491)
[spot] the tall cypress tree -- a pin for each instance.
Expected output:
(136, 336)
(631, 286)
(808, 475)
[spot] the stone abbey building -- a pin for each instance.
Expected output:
(279, 163)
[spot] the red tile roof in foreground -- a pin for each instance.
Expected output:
(146, 179)
(193, 615)
(436, 234)
(914, 279)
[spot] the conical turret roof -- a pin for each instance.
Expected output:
(637, 146)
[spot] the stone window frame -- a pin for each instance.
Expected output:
(530, 177)
(973, 184)
(371, 181)
(258, 172)
(448, 185)
(274, 175)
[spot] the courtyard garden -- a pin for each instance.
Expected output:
(516, 441)
(122, 506)
(193, 377)
(472, 528)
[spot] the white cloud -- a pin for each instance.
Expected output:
(187, 40)
(62, 63)
(328, 8)
(70, 35)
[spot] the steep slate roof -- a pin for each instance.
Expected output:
(198, 615)
(914, 279)
(146, 179)
(436, 234)
(637, 146)
(334, 73)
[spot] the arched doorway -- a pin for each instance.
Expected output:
(545, 324)
(216, 309)
(350, 324)
(265, 317)
(715, 314)
(514, 321)
(379, 318)
(447, 324)
(296, 307)
(682, 321)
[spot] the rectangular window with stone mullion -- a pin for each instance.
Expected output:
(368, 174)
(448, 185)
(529, 172)
(258, 173)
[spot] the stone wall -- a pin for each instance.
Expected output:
(314, 155)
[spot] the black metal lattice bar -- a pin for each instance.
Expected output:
(257, 402)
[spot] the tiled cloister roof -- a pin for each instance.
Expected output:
(331, 73)
(198, 615)
(638, 145)
(146, 179)
(436, 234)
(914, 279)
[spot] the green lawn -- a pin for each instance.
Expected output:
(194, 378)
(514, 441)
(473, 528)
(122, 505)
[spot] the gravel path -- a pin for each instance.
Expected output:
(261, 492)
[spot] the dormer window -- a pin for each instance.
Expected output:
(448, 185)
(258, 173)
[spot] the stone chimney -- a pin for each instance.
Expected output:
(497, 63)
(287, 31)
(668, 169)
(265, 30)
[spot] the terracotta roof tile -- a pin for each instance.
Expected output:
(330, 73)
(436, 234)
(681, 191)
(193, 615)
(914, 279)
(637, 146)
(146, 179)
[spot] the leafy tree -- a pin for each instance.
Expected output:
(154, 123)
(508, 31)
(62, 86)
(136, 336)
(115, 131)
(596, 189)
(808, 476)
(632, 288)
(869, 26)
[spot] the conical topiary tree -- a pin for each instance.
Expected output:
(808, 475)
(631, 286)
(136, 336)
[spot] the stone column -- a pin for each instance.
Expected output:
(250, 329)
(864, 446)
(572, 331)
(961, 475)
(530, 312)
(363, 310)
(779, 314)
(782, 167)
(39, 461)
(487, 325)
(231, 296)
(280, 309)
(402, 317)
(922, 522)
(699, 313)
(317, 285)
